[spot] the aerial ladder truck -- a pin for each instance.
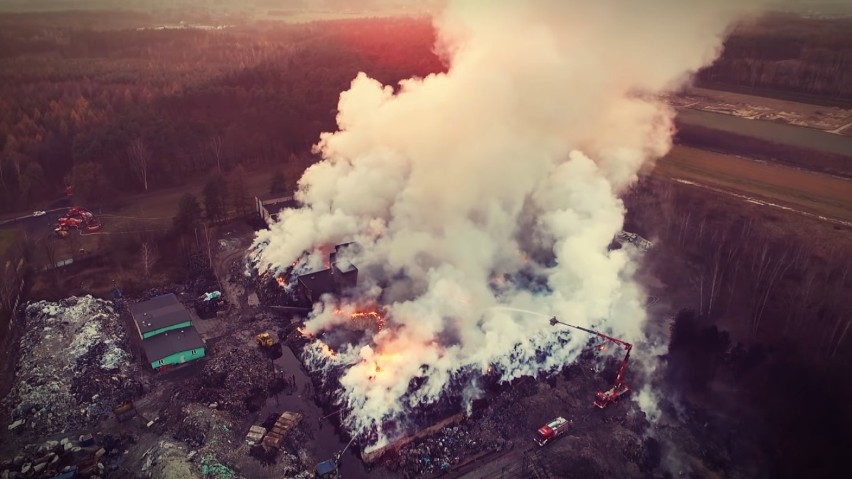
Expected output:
(620, 388)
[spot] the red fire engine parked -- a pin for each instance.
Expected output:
(551, 430)
(79, 219)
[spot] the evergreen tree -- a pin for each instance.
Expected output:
(238, 190)
(188, 215)
(215, 197)
(279, 183)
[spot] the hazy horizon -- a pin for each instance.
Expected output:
(343, 7)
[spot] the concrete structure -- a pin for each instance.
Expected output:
(268, 209)
(372, 453)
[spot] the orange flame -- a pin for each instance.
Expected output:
(282, 281)
(383, 364)
(377, 317)
(326, 349)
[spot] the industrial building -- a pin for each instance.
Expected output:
(165, 329)
(158, 315)
(173, 348)
(342, 275)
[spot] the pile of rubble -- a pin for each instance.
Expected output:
(74, 366)
(88, 456)
(168, 461)
(236, 379)
(437, 453)
(215, 446)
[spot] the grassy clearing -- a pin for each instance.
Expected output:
(96, 267)
(7, 239)
(162, 204)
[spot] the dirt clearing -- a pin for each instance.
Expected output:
(805, 191)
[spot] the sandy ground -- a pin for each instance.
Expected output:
(833, 119)
(825, 196)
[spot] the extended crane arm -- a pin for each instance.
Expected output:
(624, 344)
(604, 398)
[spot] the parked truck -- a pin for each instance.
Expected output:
(552, 430)
(330, 468)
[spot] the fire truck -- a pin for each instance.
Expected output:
(620, 388)
(78, 219)
(552, 430)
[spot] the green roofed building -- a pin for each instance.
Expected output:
(158, 315)
(173, 348)
(165, 327)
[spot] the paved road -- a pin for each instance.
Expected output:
(36, 226)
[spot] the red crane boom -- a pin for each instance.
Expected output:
(605, 398)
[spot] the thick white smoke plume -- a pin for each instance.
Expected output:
(495, 188)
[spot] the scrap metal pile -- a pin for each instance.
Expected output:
(74, 366)
(81, 456)
(237, 379)
(438, 453)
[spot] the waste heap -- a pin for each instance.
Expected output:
(238, 380)
(74, 366)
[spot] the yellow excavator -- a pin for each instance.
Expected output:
(265, 340)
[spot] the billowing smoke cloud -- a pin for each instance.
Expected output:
(494, 189)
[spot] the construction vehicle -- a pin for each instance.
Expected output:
(77, 219)
(266, 340)
(330, 468)
(620, 388)
(125, 411)
(552, 430)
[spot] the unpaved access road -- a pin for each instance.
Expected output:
(810, 193)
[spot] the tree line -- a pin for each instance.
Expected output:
(766, 282)
(788, 53)
(118, 111)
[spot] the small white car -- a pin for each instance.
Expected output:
(38, 213)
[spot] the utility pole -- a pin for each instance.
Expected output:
(209, 254)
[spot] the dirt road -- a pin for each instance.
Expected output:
(814, 194)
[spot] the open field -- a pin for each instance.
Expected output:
(805, 191)
(770, 131)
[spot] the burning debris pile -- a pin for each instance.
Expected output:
(307, 279)
(74, 366)
(473, 232)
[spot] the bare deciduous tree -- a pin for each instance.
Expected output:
(215, 146)
(146, 258)
(140, 159)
